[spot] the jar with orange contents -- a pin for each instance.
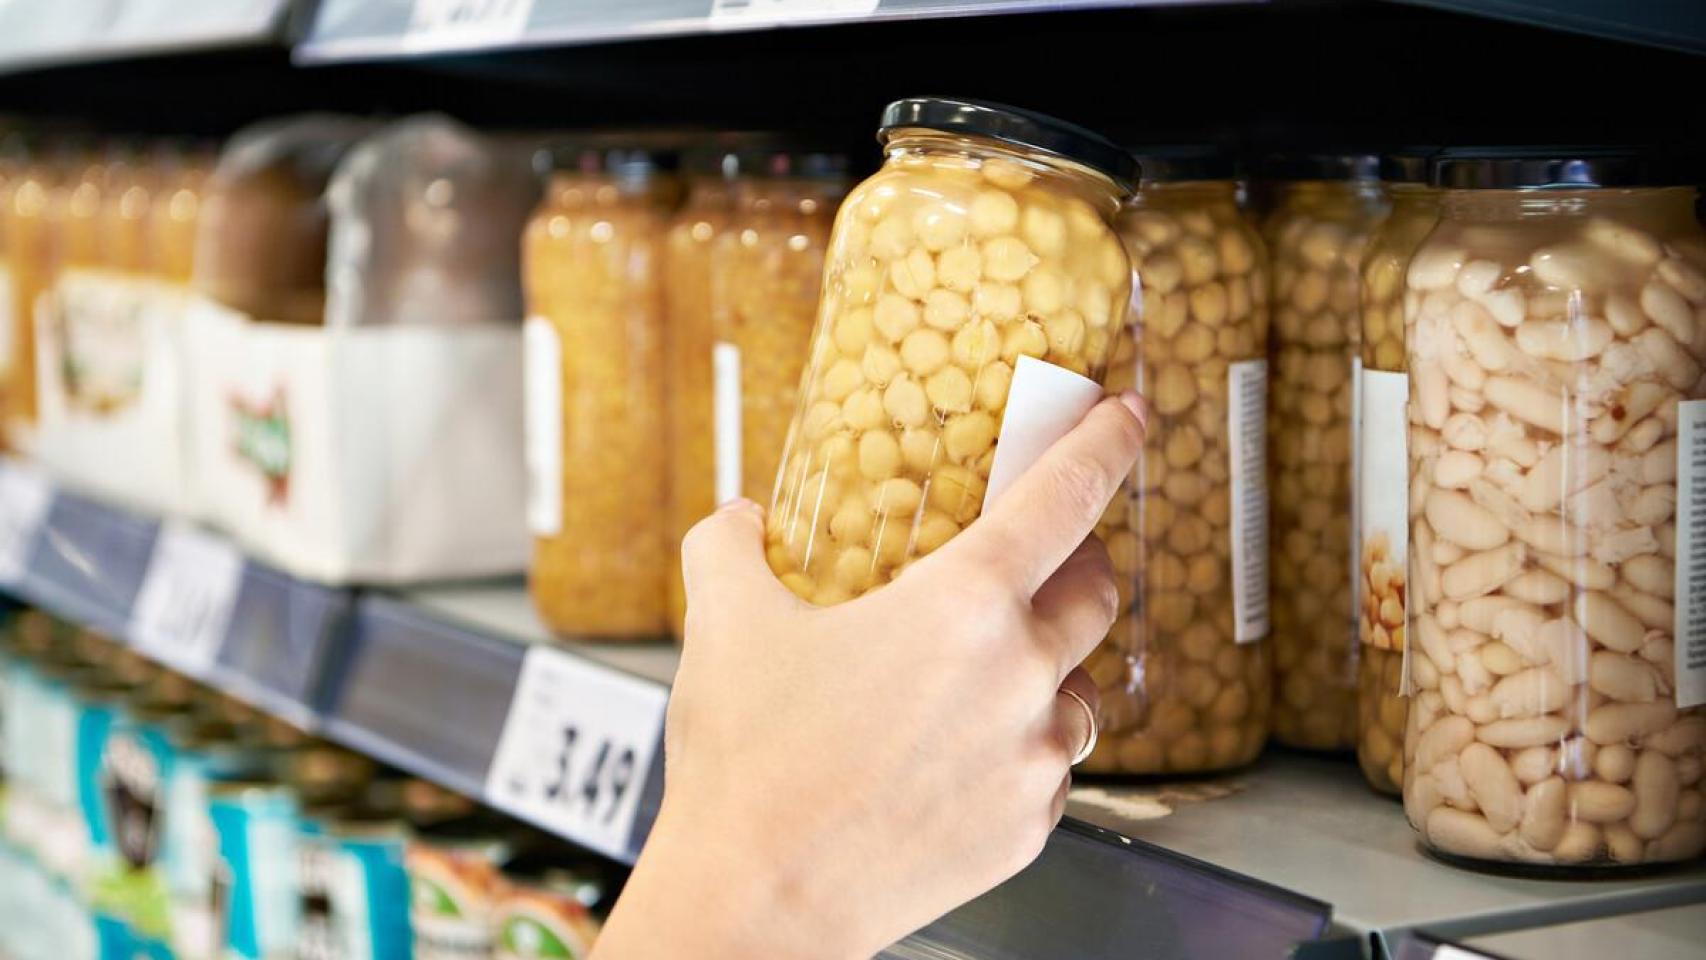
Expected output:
(592, 269)
(985, 240)
(709, 174)
(766, 271)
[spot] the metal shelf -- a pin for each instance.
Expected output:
(1676, 933)
(45, 33)
(359, 30)
(1294, 854)
(1309, 824)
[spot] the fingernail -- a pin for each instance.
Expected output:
(1134, 402)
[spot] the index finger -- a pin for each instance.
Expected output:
(1030, 530)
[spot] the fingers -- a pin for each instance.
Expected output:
(723, 565)
(1040, 521)
(1075, 708)
(1078, 604)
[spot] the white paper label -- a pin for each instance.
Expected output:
(1691, 554)
(1356, 475)
(184, 607)
(1446, 951)
(726, 420)
(542, 388)
(1247, 433)
(1383, 475)
(7, 331)
(466, 23)
(741, 13)
(24, 498)
(1043, 403)
(576, 748)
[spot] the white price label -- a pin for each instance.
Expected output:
(1446, 951)
(24, 498)
(743, 13)
(466, 23)
(576, 748)
(184, 607)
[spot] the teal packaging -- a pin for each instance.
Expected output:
(255, 877)
(126, 784)
(353, 890)
(195, 877)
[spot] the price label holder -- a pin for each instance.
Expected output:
(740, 14)
(466, 24)
(183, 610)
(577, 750)
(25, 495)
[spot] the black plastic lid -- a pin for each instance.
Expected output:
(1347, 165)
(1406, 165)
(1567, 168)
(1180, 163)
(1013, 125)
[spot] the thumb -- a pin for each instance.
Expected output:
(723, 566)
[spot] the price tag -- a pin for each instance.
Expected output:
(746, 13)
(184, 607)
(1447, 951)
(466, 23)
(24, 498)
(576, 748)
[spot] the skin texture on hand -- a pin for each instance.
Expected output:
(838, 777)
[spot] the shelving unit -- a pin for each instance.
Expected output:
(1297, 849)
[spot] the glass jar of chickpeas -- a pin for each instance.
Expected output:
(1185, 683)
(1557, 428)
(984, 240)
(593, 274)
(1381, 524)
(33, 198)
(1325, 207)
(709, 174)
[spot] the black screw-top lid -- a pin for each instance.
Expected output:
(1346, 165)
(1022, 128)
(1566, 168)
(1406, 165)
(1181, 163)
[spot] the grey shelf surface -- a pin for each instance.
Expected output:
(45, 33)
(1675, 933)
(1309, 824)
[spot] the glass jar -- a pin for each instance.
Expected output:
(711, 175)
(983, 239)
(176, 211)
(1324, 210)
(766, 274)
(1382, 520)
(34, 209)
(1186, 685)
(1555, 354)
(592, 272)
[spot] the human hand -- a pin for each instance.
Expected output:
(838, 777)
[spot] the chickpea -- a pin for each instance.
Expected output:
(1317, 233)
(978, 259)
(1180, 693)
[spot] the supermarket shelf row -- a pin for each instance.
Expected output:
(459, 684)
(38, 33)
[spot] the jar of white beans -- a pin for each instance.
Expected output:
(986, 237)
(1556, 326)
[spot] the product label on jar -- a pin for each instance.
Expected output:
(1691, 553)
(1043, 403)
(1247, 434)
(1382, 519)
(725, 420)
(542, 391)
(1356, 473)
